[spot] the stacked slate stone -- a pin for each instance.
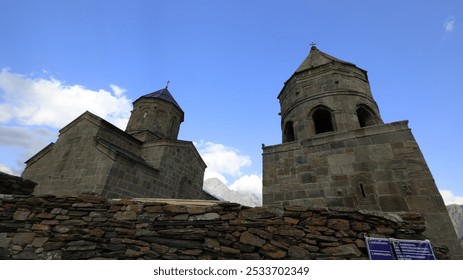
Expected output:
(15, 185)
(90, 227)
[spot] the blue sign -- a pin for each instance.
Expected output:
(397, 249)
(413, 249)
(379, 248)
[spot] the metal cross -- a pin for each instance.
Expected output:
(167, 84)
(313, 45)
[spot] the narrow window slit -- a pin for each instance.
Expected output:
(363, 190)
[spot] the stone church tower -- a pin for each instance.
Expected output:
(337, 152)
(155, 116)
(146, 160)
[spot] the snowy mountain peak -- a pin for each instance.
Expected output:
(218, 189)
(456, 215)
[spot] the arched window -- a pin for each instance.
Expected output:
(288, 133)
(365, 116)
(322, 120)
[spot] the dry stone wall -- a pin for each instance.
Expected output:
(90, 227)
(15, 185)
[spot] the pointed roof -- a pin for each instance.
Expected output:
(317, 58)
(163, 94)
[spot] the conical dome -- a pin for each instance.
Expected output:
(317, 58)
(163, 94)
(155, 115)
(326, 95)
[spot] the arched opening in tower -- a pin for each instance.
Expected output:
(288, 134)
(366, 118)
(322, 120)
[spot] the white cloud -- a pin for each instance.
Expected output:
(33, 109)
(449, 24)
(210, 174)
(17, 144)
(248, 184)
(450, 198)
(26, 138)
(226, 164)
(6, 169)
(222, 159)
(118, 92)
(50, 102)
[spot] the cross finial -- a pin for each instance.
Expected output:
(313, 46)
(167, 84)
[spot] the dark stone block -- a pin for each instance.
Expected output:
(10, 184)
(289, 196)
(268, 198)
(27, 254)
(50, 246)
(313, 193)
(301, 160)
(392, 204)
(298, 253)
(113, 255)
(380, 139)
(245, 247)
(81, 255)
(176, 243)
(337, 145)
(300, 195)
(308, 178)
(4, 254)
(334, 202)
(278, 197)
(10, 226)
(362, 141)
(349, 202)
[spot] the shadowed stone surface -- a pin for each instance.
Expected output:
(129, 229)
(10, 184)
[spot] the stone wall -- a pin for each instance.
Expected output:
(82, 159)
(15, 185)
(181, 169)
(376, 168)
(90, 227)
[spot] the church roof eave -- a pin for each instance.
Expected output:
(162, 94)
(315, 59)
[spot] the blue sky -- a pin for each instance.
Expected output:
(227, 62)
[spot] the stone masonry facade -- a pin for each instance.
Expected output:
(146, 160)
(377, 168)
(87, 226)
(336, 151)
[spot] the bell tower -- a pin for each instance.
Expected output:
(336, 151)
(155, 116)
(326, 95)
